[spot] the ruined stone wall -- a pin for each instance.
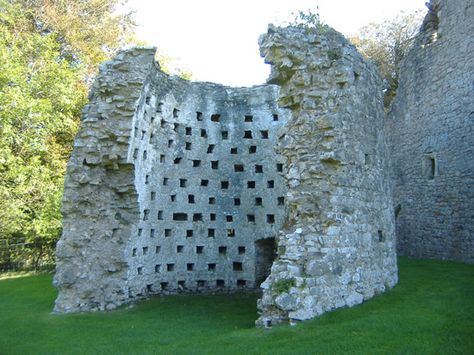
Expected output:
(171, 187)
(338, 245)
(432, 137)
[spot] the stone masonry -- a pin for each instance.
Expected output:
(338, 245)
(298, 187)
(432, 140)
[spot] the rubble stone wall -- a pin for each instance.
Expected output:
(337, 247)
(432, 137)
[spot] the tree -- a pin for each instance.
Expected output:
(48, 51)
(387, 43)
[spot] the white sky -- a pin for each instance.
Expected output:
(217, 39)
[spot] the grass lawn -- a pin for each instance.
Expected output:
(431, 311)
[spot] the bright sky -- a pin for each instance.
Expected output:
(217, 39)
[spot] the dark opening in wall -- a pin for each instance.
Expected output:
(264, 134)
(241, 250)
(381, 236)
(181, 284)
(147, 179)
(230, 232)
(201, 283)
(135, 155)
(214, 164)
(140, 270)
(143, 135)
(237, 266)
(175, 127)
(182, 182)
(152, 233)
(146, 214)
(191, 199)
(179, 248)
(225, 135)
(432, 168)
(270, 184)
(203, 133)
(147, 100)
(169, 267)
(270, 218)
(229, 218)
(265, 253)
(248, 118)
(159, 107)
(250, 184)
(211, 232)
(145, 250)
(170, 143)
(157, 267)
(233, 150)
(199, 249)
(250, 218)
(215, 117)
(204, 182)
(188, 146)
(180, 216)
(175, 113)
(224, 185)
(199, 116)
(252, 149)
(162, 158)
(162, 123)
(165, 181)
(241, 283)
(275, 117)
(366, 159)
(236, 201)
(197, 217)
(279, 167)
(247, 134)
(134, 252)
(168, 232)
(152, 196)
(173, 198)
(258, 201)
(222, 250)
(140, 230)
(196, 163)
(281, 201)
(212, 200)
(190, 232)
(220, 283)
(238, 168)
(189, 131)
(177, 160)
(157, 249)
(210, 148)
(211, 267)
(259, 169)
(164, 286)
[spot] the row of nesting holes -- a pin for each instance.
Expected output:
(199, 283)
(198, 217)
(199, 250)
(170, 267)
(224, 184)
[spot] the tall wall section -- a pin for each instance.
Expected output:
(173, 186)
(432, 137)
(337, 247)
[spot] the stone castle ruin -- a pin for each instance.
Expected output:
(299, 187)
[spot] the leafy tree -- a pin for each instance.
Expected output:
(387, 43)
(48, 51)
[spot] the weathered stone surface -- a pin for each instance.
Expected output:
(337, 247)
(432, 141)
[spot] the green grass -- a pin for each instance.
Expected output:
(431, 311)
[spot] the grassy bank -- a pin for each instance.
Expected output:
(430, 311)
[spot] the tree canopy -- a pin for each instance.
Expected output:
(48, 51)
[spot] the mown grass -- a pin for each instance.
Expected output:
(431, 311)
